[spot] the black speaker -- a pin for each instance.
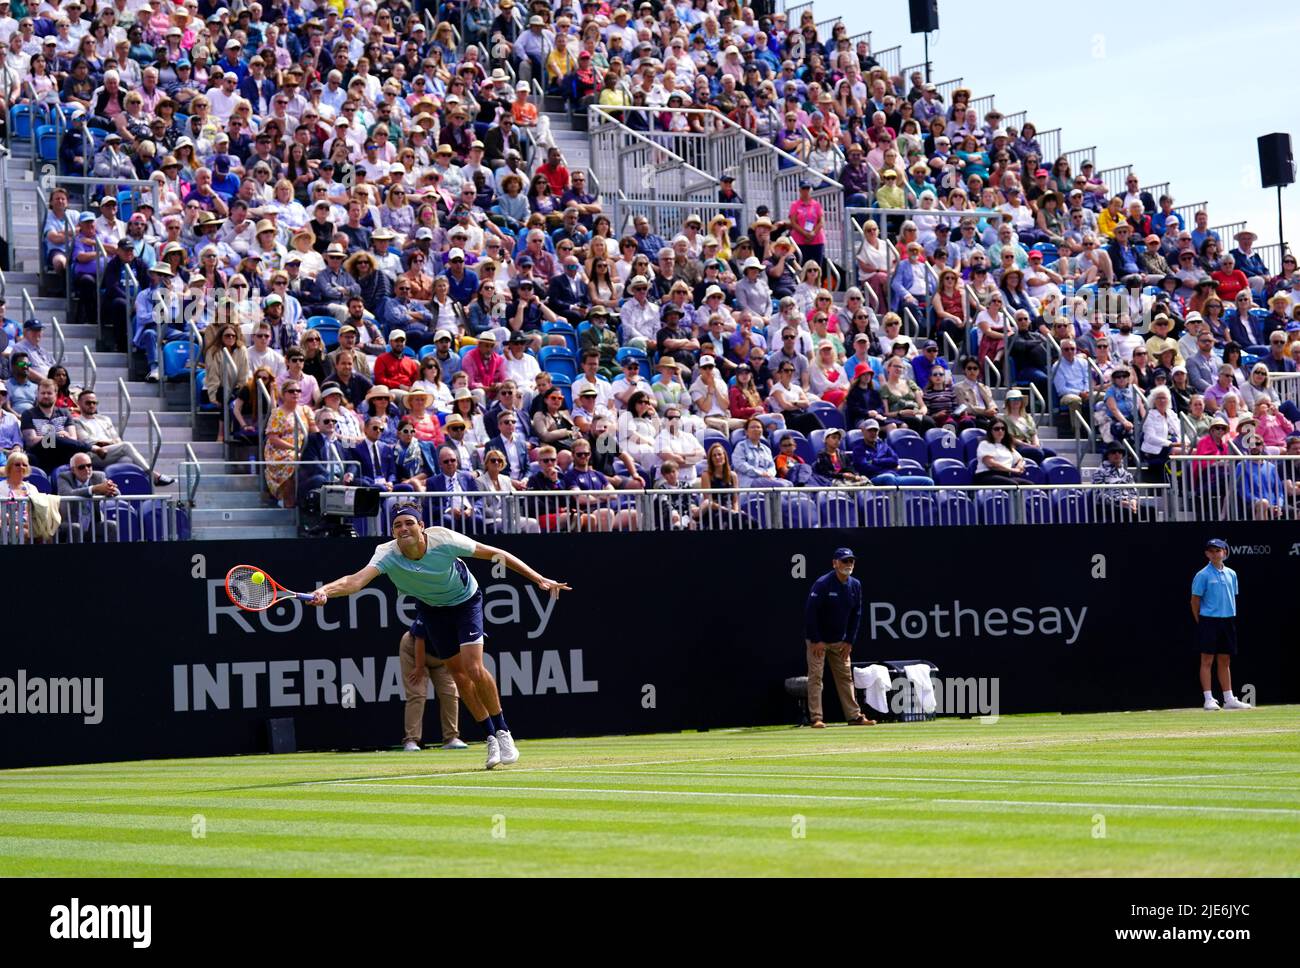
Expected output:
(925, 15)
(1276, 166)
(280, 736)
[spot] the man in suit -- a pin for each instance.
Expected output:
(82, 480)
(510, 441)
(457, 507)
(378, 460)
(567, 293)
(508, 398)
(324, 448)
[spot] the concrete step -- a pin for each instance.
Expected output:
(206, 499)
(242, 533)
(235, 517)
(242, 483)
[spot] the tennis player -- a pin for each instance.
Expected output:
(425, 564)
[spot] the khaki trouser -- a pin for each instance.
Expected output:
(842, 672)
(444, 686)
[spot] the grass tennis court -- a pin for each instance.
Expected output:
(1181, 793)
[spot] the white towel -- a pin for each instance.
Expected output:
(874, 681)
(919, 676)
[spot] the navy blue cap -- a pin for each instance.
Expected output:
(842, 553)
(1217, 543)
(410, 510)
(805, 183)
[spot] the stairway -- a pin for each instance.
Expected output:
(227, 505)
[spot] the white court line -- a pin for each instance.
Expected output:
(927, 779)
(615, 791)
(872, 751)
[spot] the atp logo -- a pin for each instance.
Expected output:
(1295, 550)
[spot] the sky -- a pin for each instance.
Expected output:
(1117, 86)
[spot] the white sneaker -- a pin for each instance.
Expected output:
(494, 753)
(153, 376)
(455, 744)
(1235, 703)
(509, 752)
(411, 747)
(1211, 706)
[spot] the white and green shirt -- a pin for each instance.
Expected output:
(437, 578)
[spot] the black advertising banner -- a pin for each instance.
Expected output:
(144, 656)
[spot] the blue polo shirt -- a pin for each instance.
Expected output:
(1217, 589)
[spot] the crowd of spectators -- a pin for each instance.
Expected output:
(374, 230)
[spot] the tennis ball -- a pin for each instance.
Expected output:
(258, 578)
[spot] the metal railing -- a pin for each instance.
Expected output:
(891, 59)
(1017, 120)
(1236, 487)
(1114, 179)
(89, 371)
(1228, 234)
(1156, 190)
(1187, 214)
(1050, 143)
(96, 520)
(765, 508)
(982, 105)
(1078, 156)
(945, 88)
(1272, 256)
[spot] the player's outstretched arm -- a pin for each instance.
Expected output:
(345, 586)
(515, 564)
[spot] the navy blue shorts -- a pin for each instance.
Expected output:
(445, 628)
(1216, 636)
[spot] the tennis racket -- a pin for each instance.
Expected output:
(257, 596)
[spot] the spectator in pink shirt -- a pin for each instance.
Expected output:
(485, 368)
(808, 225)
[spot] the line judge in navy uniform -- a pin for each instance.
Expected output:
(831, 620)
(1214, 610)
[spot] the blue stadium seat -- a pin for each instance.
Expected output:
(908, 445)
(205, 405)
(127, 518)
(428, 350)
(907, 466)
(464, 351)
(328, 327)
(40, 480)
(559, 359)
(710, 437)
(994, 507)
(853, 439)
(1071, 507)
(125, 204)
(827, 413)
(1038, 507)
(755, 505)
(838, 510)
(176, 359)
(797, 510)
(47, 143)
(1035, 473)
(153, 523)
(802, 446)
(625, 351)
(129, 478)
(970, 442)
(877, 510)
(940, 444)
(21, 120)
(918, 510)
(563, 381)
(565, 329)
(955, 508)
(953, 473)
(1059, 470)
